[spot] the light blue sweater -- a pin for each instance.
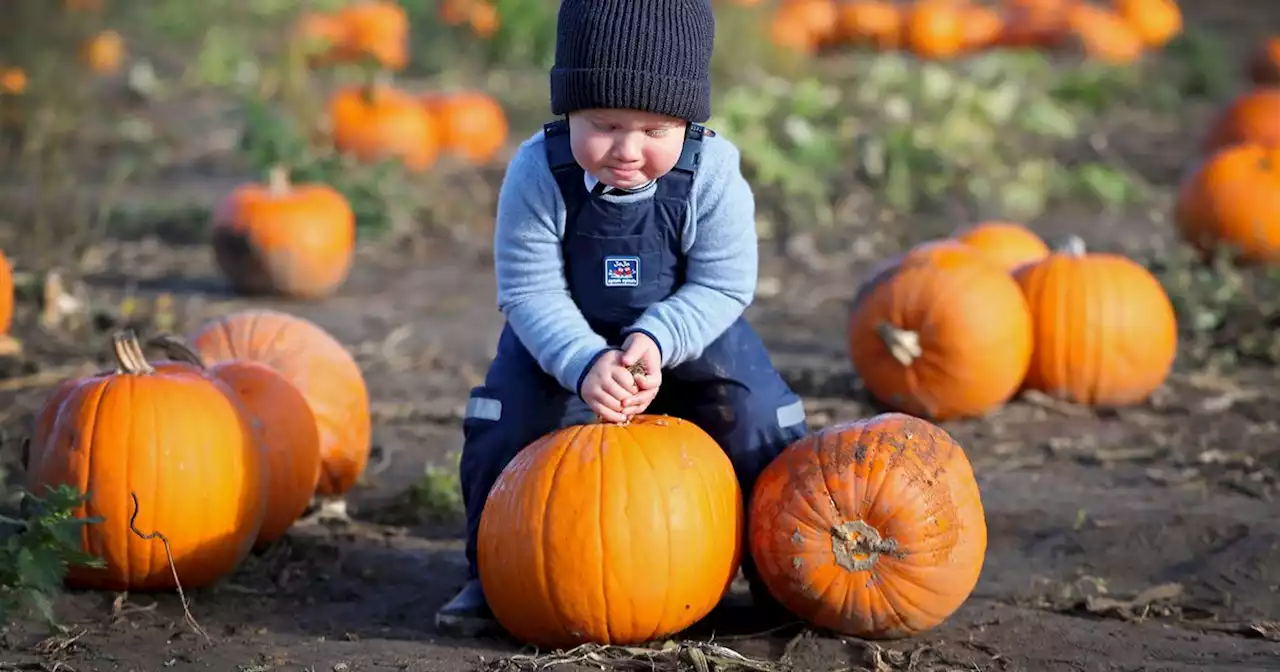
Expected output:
(719, 239)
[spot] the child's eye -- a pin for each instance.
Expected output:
(601, 126)
(657, 132)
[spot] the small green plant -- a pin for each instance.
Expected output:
(37, 550)
(438, 496)
(1226, 312)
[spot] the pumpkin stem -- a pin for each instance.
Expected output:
(904, 346)
(1073, 246)
(176, 349)
(128, 354)
(858, 546)
(278, 180)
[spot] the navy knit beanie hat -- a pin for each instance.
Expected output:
(650, 55)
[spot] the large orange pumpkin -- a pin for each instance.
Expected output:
(1232, 199)
(293, 240)
(873, 528)
(614, 534)
(1006, 243)
(1105, 330)
(318, 365)
(285, 427)
(945, 334)
(178, 441)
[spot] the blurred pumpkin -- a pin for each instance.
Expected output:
(177, 441)
(472, 124)
(318, 365)
(1155, 21)
(877, 23)
(378, 29)
(294, 240)
(103, 52)
(283, 423)
(319, 36)
(377, 121)
(1264, 63)
(1232, 199)
(1105, 331)
(613, 534)
(983, 27)
(1104, 35)
(6, 294)
(1008, 244)
(935, 29)
(13, 80)
(1251, 117)
(484, 20)
(873, 528)
(944, 334)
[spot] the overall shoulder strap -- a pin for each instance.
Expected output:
(566, 171)
(678, 183)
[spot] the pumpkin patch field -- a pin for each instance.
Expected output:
(1017, 257)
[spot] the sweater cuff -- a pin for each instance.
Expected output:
(585, 367)
(661, 335)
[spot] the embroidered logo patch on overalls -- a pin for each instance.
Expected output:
(622, 271)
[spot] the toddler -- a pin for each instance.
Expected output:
(625, 235)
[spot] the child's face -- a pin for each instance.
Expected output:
(625, 148)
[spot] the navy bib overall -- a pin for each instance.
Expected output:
(620, 258)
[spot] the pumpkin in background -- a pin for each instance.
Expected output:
(284, 426)
(983, 27)
(293, 240)
(935, 29)
(6, 294)
(1155, 21)
(472, 124)
(1037, 24)
(377, 29)
(876, 23)
(1232, 199)
(1264, 64)
(804, 25)
(1106, 334)
(1104, 35)
(614, 534)
(1006, 243)
(377, 121)
(176, 439)
(945, 334)
(1253, 116)
(318, 37)
(872, 528)
(103, 52)
(318, 366)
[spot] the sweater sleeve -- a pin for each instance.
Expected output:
(721, 243)
(529, 264)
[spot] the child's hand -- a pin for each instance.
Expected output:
(640, 352)
(607, 385)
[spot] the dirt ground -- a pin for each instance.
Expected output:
(1143, 539)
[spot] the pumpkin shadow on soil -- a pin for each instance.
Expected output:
(206, 286)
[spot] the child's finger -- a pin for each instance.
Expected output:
(613, 389)
(626, 380)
